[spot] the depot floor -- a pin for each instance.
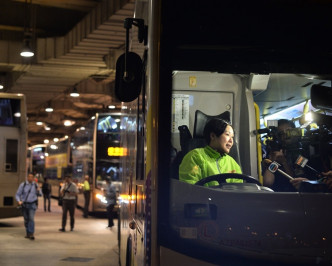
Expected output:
(89, 244)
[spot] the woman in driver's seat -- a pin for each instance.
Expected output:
(213, 159)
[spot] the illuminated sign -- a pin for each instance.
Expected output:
(116, 151)
(57, 160)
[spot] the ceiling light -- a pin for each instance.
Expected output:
(49, 109)
(82, 128)
(111, 107)
(66, 137)
(47, 128)
(56, 139)
(74, 93)
(27, 51)
(1, 86)
(93, 118)
(68, 123)
(17, 114)
(46, 141)
(39, 123)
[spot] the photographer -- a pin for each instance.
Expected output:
(69, 192)
(27, 198)
(276, 181)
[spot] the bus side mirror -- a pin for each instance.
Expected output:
(321, 97)
(128, 77)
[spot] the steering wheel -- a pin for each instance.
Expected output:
(221, 178)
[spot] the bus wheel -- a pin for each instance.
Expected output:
(128, 252)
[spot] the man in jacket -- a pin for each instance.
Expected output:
(68, 192)
(111, 201)
(27, 197)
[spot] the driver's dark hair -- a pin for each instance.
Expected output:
(216, 126)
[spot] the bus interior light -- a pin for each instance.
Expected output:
(308, 117)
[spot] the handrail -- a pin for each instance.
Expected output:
(259, 146)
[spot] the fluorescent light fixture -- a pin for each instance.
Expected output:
(290, 112)
(49, 109)
(308, 117)
(111, 107)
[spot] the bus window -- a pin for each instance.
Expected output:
(11, 155)
(10, 112)
(108, 150)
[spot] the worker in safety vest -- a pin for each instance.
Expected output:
(213, 159)
(86, 193)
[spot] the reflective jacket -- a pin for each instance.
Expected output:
(203, 162)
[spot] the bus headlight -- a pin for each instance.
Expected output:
(101, 198)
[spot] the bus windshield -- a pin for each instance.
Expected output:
(108, 151)
(10, 112)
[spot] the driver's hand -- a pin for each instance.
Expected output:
(328, 182)
(20, 203)
(297, 181)
(327, 174)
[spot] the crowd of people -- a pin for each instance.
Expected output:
(27, 197)
(213, 159)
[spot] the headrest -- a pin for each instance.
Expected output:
(201, 119)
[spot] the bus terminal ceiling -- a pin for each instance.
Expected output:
(76, 44)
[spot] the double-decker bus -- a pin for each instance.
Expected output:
(13, 150)
(57, 163)
(36, 160)
(96, 150)
(216, 59)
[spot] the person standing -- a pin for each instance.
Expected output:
(27, 197)
(69, 193)
(86, 193)
(111, 200)
(47, 192)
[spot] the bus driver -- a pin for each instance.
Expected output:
(213, 159)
